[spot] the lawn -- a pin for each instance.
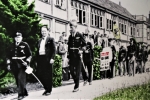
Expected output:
(138, 92)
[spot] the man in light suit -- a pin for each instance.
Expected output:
(45, 54)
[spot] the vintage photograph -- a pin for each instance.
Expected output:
(74, 49)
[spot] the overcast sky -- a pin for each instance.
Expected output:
(136, 7)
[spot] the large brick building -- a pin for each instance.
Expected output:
(96, 15)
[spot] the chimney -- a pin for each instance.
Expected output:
(119, 3)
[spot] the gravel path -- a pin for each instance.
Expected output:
(88, 92)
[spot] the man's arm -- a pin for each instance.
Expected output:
(53, 48)
(61, 50)
(28, 53)
(83, 41)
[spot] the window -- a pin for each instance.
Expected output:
(110, 21)
(59, 28)
(46, 1)
(125, 29)
(131, 31)
(61, 4)
(120, 26)
(81, 11)
(107, 23)
(148, 35)
(123, 26)
(96, 18)
(138, 33)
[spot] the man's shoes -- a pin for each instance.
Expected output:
(26, 94)
(75, 90)
(46, 93)
(85, 82)
(90, 83)
(20, 97)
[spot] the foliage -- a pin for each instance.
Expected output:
(96, 63)
(7, 80)
(57, 71)
(131, 93)
(17, 15)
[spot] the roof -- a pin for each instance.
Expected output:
(113, 7)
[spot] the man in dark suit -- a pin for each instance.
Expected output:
(132, 51)
(95, 36)
(45, 54)
(76, 42)
(122, 60)
(88, 58)
(144, 58)
(17, 52)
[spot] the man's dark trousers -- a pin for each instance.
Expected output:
(87, 76)
(75, 69)
(20, 76)
(44, 71)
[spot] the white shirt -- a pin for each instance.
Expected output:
(42, 46)
(73, 34)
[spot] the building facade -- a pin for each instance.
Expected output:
(95, 15)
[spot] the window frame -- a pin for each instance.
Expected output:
(49, 1)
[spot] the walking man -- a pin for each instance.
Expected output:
(45, 54)
(17, 52)
(131, 56)
(88, 58)
(122, 60)
(76, 44)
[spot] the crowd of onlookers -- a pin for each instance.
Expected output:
(97, 38)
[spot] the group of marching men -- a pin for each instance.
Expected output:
(76, 52)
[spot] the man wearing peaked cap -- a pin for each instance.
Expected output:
(17, 52)
(76, 42)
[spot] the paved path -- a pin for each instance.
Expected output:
(88, 92)
(99, 87)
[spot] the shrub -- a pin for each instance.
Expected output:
(57, 71)
(96, 63)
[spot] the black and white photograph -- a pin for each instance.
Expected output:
(74, 49)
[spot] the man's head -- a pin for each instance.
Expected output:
(18, 37)
(95, 33)
(131, 41)
(114, 22)
(111, 42)
(90, 36)
(63, 33)
(73, 26)
(44, 31)
(66, 41)
(86, 37)
(98, 34)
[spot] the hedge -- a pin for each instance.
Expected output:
(96, 63)
(57, 71)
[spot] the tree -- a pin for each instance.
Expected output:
(17, 15)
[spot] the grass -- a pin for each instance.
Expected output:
(138, 92)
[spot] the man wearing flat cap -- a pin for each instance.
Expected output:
(76, 43)
(18, 52)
